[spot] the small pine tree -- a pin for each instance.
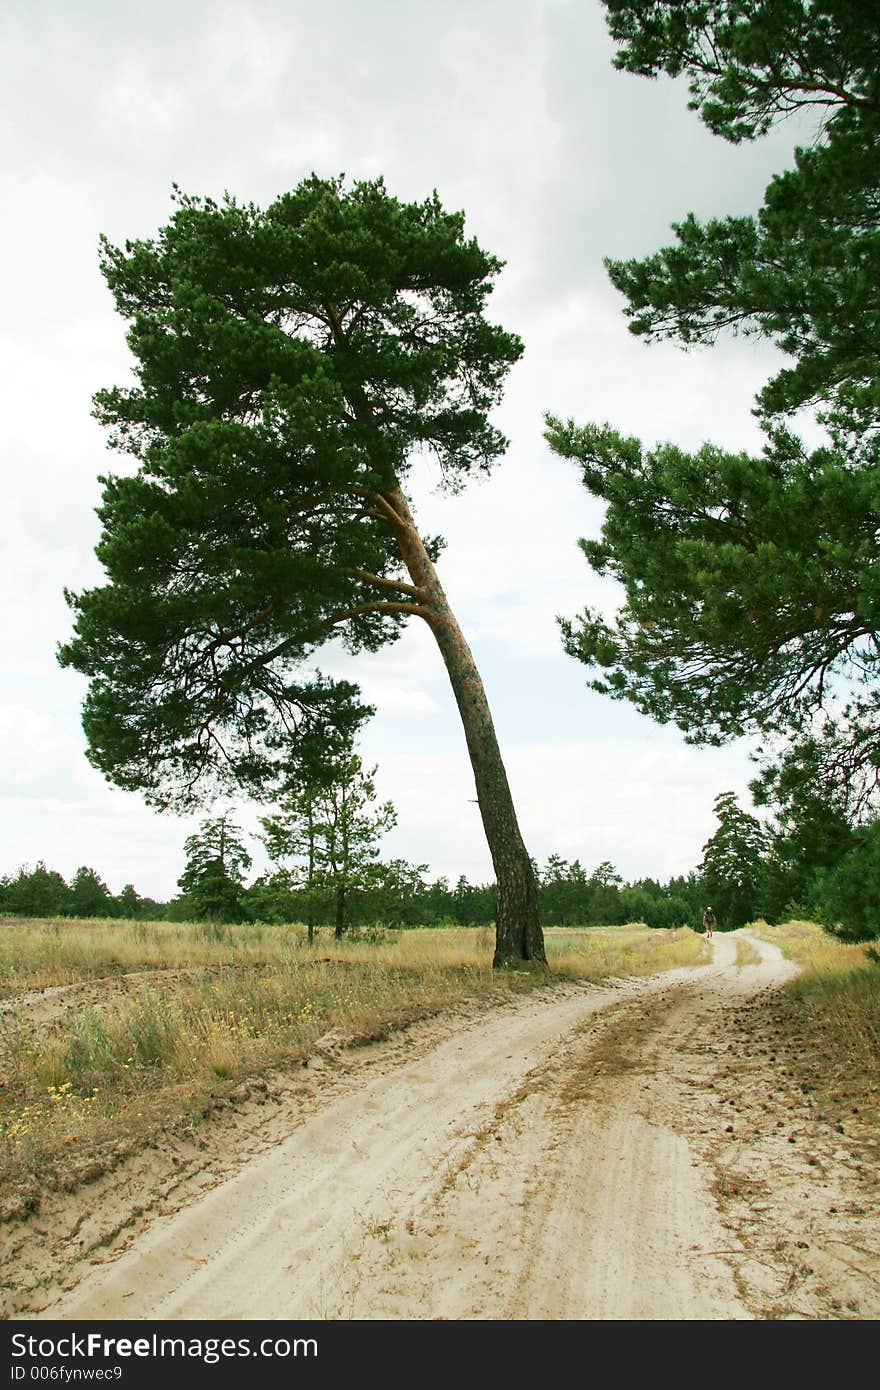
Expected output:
(732, 861)
(89, 894)
(37, 892)
(216, 863)
(328, 826)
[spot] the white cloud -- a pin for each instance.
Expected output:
(37, 757)
(644, 805)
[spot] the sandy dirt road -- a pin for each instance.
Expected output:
(590, 1152)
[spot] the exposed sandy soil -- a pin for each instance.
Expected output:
(38, 1009)
(646, 1150)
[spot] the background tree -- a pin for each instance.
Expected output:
(289, 363)
(812, 830)
(395, 894)
(472, 904)
(605, 903)
(330, 829)
(292, 838)
(751, 583)
(89, 895)
(216, 863)
(277, 897)
(638, 903)
(847, 892)
(354, 827)
(37, 892)
(129, 903)
(732, 864)
(436, 903)
(565, 891)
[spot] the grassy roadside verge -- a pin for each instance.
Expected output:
(833, 1009)
(86, 1081)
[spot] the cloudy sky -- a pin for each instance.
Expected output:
(512, 110)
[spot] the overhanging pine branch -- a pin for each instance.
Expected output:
(363, 608)
(380, 582)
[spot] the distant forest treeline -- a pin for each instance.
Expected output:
(815, 866)
(400, 895)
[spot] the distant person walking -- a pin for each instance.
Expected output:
(709, 922)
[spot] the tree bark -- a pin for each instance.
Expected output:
(518, 935)
(340, 912)
(310, 924)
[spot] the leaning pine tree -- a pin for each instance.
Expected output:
(289, 363)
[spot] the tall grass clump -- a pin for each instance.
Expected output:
(838, 993)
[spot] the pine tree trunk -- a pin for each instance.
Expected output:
(518, 935)
(310, 881)
(340, 911)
